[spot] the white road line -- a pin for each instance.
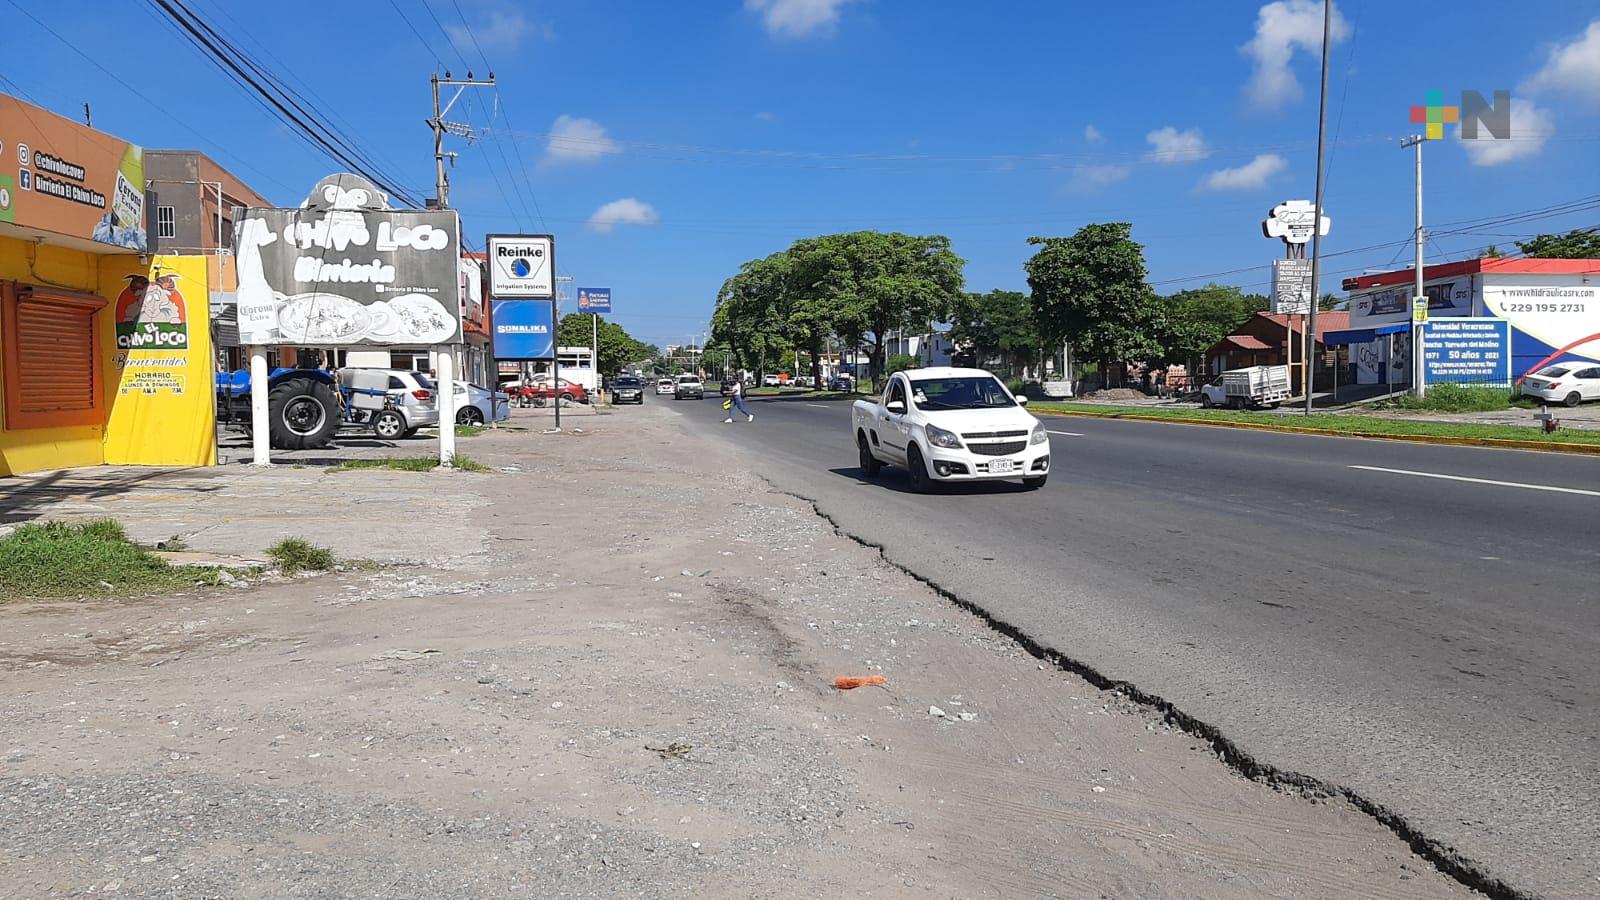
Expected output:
(1515, 484)
(820, 405)
(1067, 433)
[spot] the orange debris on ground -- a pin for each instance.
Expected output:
(851, 682)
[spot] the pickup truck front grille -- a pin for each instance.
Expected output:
(1005, 449)
(982, 435)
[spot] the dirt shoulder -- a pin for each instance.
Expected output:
(616, 682)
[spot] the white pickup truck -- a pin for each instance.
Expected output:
(1256, 386)
(945, 424)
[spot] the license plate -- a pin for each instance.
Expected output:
(1002, 465)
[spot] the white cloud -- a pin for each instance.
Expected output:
(1253, 174)
(1573, 67)
(627, 211)
(1282, 27)
(1092, 134)
(1088, 178)
(1169, 146)
(577, 141)
(1531, 126)
(503, 31)
(797, 18)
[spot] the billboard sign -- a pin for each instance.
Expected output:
(524, 330)
(1291, 222)
(522, 266)
(68, 179)
(1291, 286)
(594, 300)
(346, 269)
(1462, 350)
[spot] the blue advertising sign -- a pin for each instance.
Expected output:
(1462, 350)
(524, 329)
(594, 300)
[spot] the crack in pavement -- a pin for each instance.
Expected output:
(1441, 856)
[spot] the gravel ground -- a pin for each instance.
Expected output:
(619, 685)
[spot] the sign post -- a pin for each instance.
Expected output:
(522, 267)
(1296, 222)
(595, 301)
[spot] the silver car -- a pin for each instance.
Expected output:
(415, 398)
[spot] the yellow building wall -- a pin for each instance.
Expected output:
(163, 401)
(37, 449)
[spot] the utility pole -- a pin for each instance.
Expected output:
(1417, 387)
(1316, 214)
(441, 127)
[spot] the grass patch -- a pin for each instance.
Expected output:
(1456, 398)
(470, 430)
(1334, 423)
(401, 463)
(67, 559)
(465, 463)
(296, 555)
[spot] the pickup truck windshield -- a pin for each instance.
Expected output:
(971, 392)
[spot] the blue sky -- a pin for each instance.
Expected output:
(666, 143)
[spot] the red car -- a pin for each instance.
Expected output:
(538, 393)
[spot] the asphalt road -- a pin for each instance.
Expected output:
(1335, 607)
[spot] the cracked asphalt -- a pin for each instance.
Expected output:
(1334, 607)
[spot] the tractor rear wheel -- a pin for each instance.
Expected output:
(303, 414)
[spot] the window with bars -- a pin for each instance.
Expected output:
(166, 222)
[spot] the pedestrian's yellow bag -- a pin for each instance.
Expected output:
(727, 404)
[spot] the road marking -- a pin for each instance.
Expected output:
(820, 405)
(1067, 433)
(1515, 484)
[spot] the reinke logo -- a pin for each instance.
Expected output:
(1473, 112)
(520, 268)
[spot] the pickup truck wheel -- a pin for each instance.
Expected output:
(1033, 484)
(303, 414)
(869, 463)
(1205, 402)
(918, 471)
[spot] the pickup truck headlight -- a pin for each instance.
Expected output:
(940, 438)
(1038, 436)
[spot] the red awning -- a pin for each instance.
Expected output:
(1246, 342)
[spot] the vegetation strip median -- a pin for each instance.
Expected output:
(1511, 437)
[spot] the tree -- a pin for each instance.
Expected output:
(1580, 243)
(1196, 319)
(997, 323)
(900, 362)
(617, 347)
(1089, 289)
(750, 317)
(1492, 252)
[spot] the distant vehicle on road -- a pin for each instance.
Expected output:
(476, 405)
(627, 389)
(663, 386)
(538, 391)
(688, 387)
(946, 424)
(1254, 387)
(770, 381)
(1569, 383)
(841, 383)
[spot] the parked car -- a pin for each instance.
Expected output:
(841, 383)
(415, 398)
(663, 386)
(770, 381)
(688, 387)
(948, 424)
(476, 404)
(627, 389)
(1567, 382)
(540, 391)
(1256, 386)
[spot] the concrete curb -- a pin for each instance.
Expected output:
(1496, 443)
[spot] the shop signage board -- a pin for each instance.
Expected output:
(1291, 222)
(1467, 351)
(64, 178)
(1291, 286)
(594, 300)
(524, 330)
(346, 269)
(522, 266)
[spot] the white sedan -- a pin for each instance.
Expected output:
(1566, 382)
(476, 405)
(663, 386)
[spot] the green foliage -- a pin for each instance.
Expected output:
(1196, 319)
(399, 463)
(901, 362)
(1015, 386)
(64, 559)
(1580, 243)
(617, 347)
(1089, 289)
(294, 555)
(1448, 397)
(998, 323)
(464, 463)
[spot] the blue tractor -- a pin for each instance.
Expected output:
(306, 407)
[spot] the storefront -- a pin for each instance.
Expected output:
(1552, 307)
(104, 351)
